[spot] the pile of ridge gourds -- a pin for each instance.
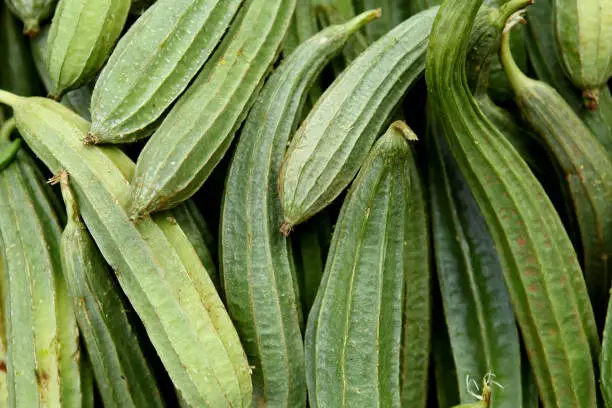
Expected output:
(305, 203)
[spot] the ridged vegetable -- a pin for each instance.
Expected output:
(584, 34)
(79, 99)
(551, 303)
(197, 132)
(42, 337)
(354, 332)
(123, 376)
(416, 326)
(480, 319)
(152, 65)
(31, 12)
(82, 36)
(544, 57)
(258, 275)
(154, 262)
(3, 340)
(586, 167)
(333, 141)
(303, 26)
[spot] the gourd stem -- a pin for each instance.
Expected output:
(6, 130)
(72, 208)
(513, 72)
(8, 98)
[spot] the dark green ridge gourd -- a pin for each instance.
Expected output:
(354, 331)
(583, 30)
(257, 267)
(82, 36)
(310, 245)
(586, 168)
(605, 361)
(79, 100)
(540, 266)
(42, 337)
(199, 129)
(195, 228)
(477, 309)
(156, 266)
(544, 57)
(416, 319)
(333, 141)
(153, 64)
(123, 376)
(8, 153)
(18, 73)
(3, 341)
(32, 13)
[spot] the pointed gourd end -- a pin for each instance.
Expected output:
(31, 28)
(591, 99)
(404, 129)
(286, 228)
(91, 139)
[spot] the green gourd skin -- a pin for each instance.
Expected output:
(82, 36)
(8, 153)
(121, 370)
(195, 228)
(551, 303)
(583, 30)
(198, 130)
(586, 167)
(79, 99)
(3, 340)
(42, 337)
(544, 57)
(416, 325)
(258, 274)
(18, 74)
(32, 13)
(354, 331)
(333, 141)
(480, 319)
(156, 266)
(153, 64)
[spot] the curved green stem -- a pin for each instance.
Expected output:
(513, 72)
(8, 98)
(7, 154)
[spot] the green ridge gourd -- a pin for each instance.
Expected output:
(540, 266)
(257, 267)
(477, 307)
(156, 266)
(354, 330)
(153, 64)
(3, 341)
(43, 352)
(334, 139)
(31, 12)
(586, 167)
(82, 36)
(199, 129)
(123, 376)
(583, 30)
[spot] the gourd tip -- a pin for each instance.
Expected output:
(31, 28)
(591, 99)
(378, 13)
(286, 228)
(91, 139)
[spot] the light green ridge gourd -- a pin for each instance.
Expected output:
(153, 64)
(544, 58)
(586, 167)
(540, 267)
(82, 36)
(123, 376)
(154, 262)
(333, 141)
(583, 30)
(79, 100)
(199, 129)
(480, 319)
(257, 267)
(416, 318)
(195, 228)
(41, 332)
(354, 331)
(31, 12)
